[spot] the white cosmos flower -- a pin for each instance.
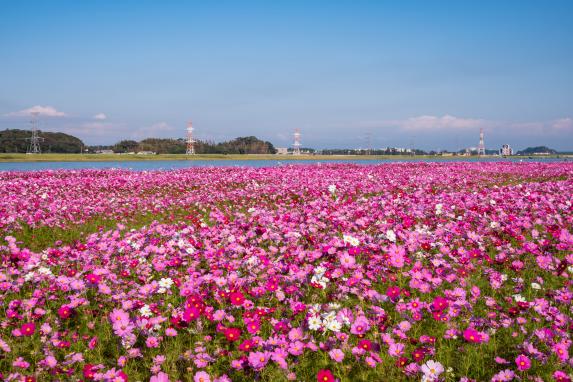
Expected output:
(166, 282)
(145, 311)
(439, 207)
(332, 188)
(334, 305)
(322, 281)
(390, 235)
(535, 286)
(319, 271)
(351, 240)
(314, 323)
(332, 325)
(432, 370)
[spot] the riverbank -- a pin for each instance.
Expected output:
(203, 157)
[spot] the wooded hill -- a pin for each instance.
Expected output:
(18, 141)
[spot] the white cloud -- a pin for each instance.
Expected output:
(100, 117)
(430, 122)
(46, 111)
(563, 124)
(157, 130)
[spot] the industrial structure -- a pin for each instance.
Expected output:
(35, 140)
(506, 150)
(282, 151)
(190, 140)
(481, 146)
(296, 145)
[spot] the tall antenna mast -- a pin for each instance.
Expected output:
(296, 145)
(481, 147)
(34, 147)
(190, 140)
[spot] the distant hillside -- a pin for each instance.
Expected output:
(15, 141)
(538, 150)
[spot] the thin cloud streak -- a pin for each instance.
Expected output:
(45, 111)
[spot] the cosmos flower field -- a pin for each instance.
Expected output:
(416, 271)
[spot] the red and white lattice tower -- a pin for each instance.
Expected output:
(190, 140)
(35, 140)
(296, 145)
(481, 146)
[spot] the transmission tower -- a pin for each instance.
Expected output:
(368, 138)
(190, 140)
(481, 146)
(35, 140)
(296, 145)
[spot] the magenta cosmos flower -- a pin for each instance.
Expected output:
(28, 329)
(325, 376)
(522, 362)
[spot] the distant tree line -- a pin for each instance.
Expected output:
(241, 145)
(537, 150)
(386, 151)
(18, 141)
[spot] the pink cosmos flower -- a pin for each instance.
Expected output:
(472, 335)
(393, 292)
(21, 363)
(92, 278)
(336, 355)
(522, 362)
(170, 332)
(51, 361)
(360, 326)
(232, 334)
(191, 314)
(439, 304)
(561, 376)
(347, 261)
(119, 316)
(396, 349)
(504, 375)
(397, 254)
(201, 376)
(258, 360)
(152, 342)
(253, 326)
(325, 375)
(160, 377)
(296, 348)
(64, 311)
(237, 298)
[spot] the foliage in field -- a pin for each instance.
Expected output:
(433, 272)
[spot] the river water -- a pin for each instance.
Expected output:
(177, 164)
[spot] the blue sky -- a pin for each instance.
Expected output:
(422, 73)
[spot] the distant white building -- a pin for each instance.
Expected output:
(506, 150)
(104, 151)
(282, 151)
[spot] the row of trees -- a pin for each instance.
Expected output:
(387, 151)
(18, 141)
(241, 145)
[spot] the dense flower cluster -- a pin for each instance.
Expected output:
(435, 272)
